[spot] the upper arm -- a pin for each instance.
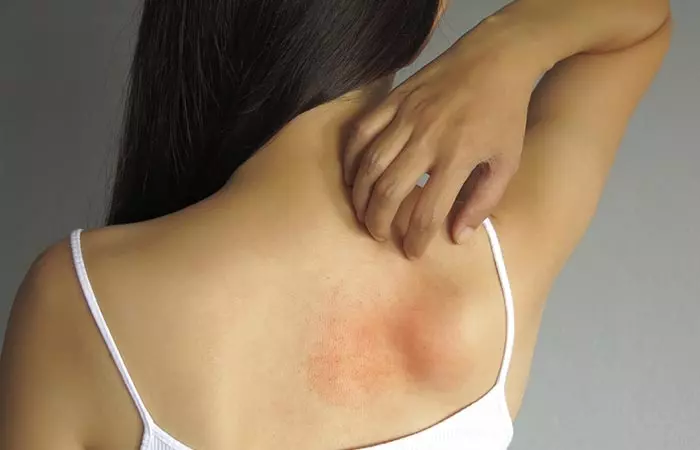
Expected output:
(37, 390)
(577, 117)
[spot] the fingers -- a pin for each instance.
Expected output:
(484, 195)
(392, 188)
(374, 162)
(432, 208)
(364, 132)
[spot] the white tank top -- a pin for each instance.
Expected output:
(484, 425)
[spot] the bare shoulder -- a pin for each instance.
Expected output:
(55, 371)
(41, 369)
(41, 312)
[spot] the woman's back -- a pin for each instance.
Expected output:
(280, 333)
(263, 316)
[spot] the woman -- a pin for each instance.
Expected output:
(236, 291)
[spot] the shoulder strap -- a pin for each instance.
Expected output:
(104, 330)
(508, 297)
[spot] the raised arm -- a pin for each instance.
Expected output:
(577, 117)
(468, 109)
(563, 28)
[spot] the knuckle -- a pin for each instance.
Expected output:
(426, 222)
(416, 101)
(422, 108)
(423, 143)
(372, 164)
(399, 92)
(430, 110)
(387, 190)
(361, 131)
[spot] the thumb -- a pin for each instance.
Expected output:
(480, 195)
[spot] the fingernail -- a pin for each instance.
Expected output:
(464, 234)
(408, 253)
(377, 238)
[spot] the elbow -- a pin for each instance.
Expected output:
(643, 19)
(654, 15)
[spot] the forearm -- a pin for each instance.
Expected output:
(544, 32)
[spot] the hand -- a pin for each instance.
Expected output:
(466, 110)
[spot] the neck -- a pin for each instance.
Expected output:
(305, 157)
(295, 182)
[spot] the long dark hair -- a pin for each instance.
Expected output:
(213, 80)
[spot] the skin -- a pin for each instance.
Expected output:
(282, 324)
(361, 350)
(492, 69)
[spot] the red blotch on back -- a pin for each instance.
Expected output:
(364, 348)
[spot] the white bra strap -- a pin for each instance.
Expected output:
(508, 297)
(104, 330)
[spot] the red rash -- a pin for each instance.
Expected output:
(364, 348)
(352, 359)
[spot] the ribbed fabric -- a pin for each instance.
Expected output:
(484, 425)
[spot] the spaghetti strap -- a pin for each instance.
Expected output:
(104, 330)
(508, 297)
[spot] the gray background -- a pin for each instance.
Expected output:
(617, 365)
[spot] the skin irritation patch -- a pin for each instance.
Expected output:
(364, 348)
(352, 359)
